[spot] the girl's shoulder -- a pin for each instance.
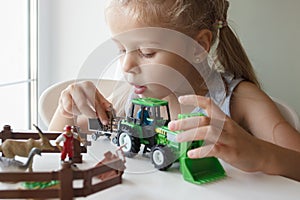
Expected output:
(248, 100)
(248, 89)
(244, 97)
(246, 86)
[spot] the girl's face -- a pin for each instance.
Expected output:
(147, 64)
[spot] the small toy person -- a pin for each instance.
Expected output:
(146, 116)
(67, 138)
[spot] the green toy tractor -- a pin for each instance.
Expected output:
(146, 126)
(137, 128)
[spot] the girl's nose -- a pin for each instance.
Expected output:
(129, 63)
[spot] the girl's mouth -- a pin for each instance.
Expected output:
(139, 89)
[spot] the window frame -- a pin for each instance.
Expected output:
(33, 62)
(30, 68)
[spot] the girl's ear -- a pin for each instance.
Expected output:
(204, 38)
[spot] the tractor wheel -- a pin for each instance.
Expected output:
(161, 157)
(131, 144)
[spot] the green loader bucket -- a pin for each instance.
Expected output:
(202, 170)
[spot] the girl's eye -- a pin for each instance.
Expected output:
(147, 53)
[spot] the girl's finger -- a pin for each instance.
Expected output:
(66, 105)
(82, 101)
(70, 105)
(71, 110)
(193, 134)
(196, 100)
(210, 134)
(65, 113)
(101, 106)
(213, 111)
(189, 123)
(213, 150)
(215, 132)
(98, 102)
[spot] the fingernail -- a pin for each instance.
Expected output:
(171, 126)
(105, 122)
(180, 99)
(191, 154)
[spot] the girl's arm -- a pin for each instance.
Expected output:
(256, 112)
(281, 161)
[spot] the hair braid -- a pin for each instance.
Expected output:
(230, 52)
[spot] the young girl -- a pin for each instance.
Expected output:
(253, 137)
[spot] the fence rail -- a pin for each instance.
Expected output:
(65, 176)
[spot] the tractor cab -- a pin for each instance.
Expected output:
(149, 112)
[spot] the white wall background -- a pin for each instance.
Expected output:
(270, 30)
(69, 30)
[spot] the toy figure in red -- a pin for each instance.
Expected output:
(67, 138)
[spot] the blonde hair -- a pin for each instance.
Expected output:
(189, 17)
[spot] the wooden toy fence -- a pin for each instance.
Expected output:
(7, 133)
(65, 176)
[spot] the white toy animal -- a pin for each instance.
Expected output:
(12, 165)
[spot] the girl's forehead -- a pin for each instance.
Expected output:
(150, 36)
(158, 38)
(137, 37)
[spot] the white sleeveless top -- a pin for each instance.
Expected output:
(231, 85)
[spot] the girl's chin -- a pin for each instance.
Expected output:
(141, 96)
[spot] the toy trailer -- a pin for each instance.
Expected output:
(95, 125)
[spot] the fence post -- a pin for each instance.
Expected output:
(77, 157)
(66, 182)
(6, 133)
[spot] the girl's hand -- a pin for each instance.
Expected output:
(83, 98)
(223, 137)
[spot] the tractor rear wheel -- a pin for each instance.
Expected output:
(161, 157)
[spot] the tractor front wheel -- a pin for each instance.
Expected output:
(131, 145)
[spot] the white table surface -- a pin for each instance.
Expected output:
(142, 182)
